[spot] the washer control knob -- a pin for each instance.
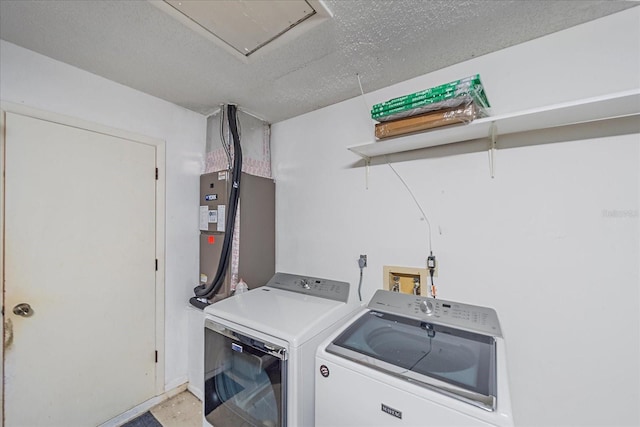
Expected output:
(305, 284)
(426, 306)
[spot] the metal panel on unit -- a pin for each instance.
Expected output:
(255, 253)
(213, 201)
(213, 205)
(406, 280)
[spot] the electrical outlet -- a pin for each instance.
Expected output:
(432, 261)
(363, 260)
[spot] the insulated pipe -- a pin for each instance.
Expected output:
(208, 291)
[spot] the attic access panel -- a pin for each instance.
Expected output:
(246, 25)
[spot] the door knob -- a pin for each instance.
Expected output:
(23, 309)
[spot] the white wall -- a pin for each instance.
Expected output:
(40, 82)
(538, 243)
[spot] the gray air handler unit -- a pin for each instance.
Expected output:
(254, 250)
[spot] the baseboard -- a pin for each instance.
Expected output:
(176, 384)
(144, 407)
(196, 391)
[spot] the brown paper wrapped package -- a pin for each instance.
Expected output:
(461, 114)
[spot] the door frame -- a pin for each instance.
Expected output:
(160, 148)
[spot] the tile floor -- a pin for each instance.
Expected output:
(182, 410)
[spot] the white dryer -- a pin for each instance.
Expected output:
(407, 360)
(260, 350)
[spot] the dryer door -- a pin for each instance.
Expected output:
(459, 363)
(245, 379)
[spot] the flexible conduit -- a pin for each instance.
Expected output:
(209, 290)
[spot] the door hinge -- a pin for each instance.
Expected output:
(156, 264)
(156, 356)
(156, 173)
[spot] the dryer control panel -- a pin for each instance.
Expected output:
(464, 316)
(313, 286)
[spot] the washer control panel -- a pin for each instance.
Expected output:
(312, 286)
(450, 313)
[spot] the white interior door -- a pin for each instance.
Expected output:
(79, 236)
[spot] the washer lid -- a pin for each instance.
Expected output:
(290, 316)
(456, 362)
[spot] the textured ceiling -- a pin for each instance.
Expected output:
(384, 41)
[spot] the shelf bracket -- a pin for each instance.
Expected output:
(493, 136)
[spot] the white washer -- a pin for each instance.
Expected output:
(408, 360)
(260, 349)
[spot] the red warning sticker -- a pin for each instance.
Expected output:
(212, 240)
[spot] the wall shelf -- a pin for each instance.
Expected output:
(605, 107)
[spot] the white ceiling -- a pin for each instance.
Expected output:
(384, 41)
